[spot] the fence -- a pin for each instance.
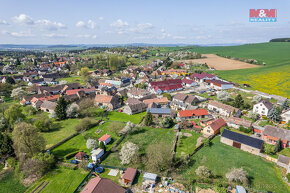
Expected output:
(84, 180)
(69, 137)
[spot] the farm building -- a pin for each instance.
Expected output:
(102, 185)
(111, 102)
(106, 139)
(48, 106)
(214, 127)
(161, 112)
(193, 114)
(236, 122)
(272, 134)
(243, 142)
(129, 176)
(166, 86)
(219, 84)
(203, 76)
(97, 154)
(223, 109)
(285, 117)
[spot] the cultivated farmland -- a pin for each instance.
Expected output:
(220, 63)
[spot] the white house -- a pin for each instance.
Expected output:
(262, 108)
(286, 117)
(97, 154)
(106, 139)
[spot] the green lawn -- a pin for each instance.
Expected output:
(220, 158)
(65, 128)
(11, 184)
(61, 180)
(186, 145)
(118, 116)
(78, 143)
(73, 79)
(285, 151)
(104, 174)
(145, 137)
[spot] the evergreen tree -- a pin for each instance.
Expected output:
(277, 147)
(167, 123)
(10, 80)
(17, 63)
(285, 105)
(148, 119)
(239, 101)
(274, 115)
(60, 109)
(102, 146)
(5, 144)
(34, 62)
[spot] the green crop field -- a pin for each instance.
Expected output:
(274, 78)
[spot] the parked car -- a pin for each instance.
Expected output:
(73, 161)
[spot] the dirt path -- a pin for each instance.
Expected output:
(220, 63)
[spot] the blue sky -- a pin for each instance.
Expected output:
(128, 21)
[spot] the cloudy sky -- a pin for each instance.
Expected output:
(135, 21)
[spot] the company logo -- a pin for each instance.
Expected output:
(263, 15)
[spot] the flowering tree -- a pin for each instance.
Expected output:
(128, 152)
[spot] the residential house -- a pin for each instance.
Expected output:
(97, 154)
(203, 76)
(48, 106)
(102, 185)
(285, 116)
(243, 142)
(262, 108)
(184, 101)
(105, 138)
(214, 127)
(219, 84)
(236, 122)
(179, 72)
(161, 112)
(107, 72)
(111, 102)
(134, 107)
(129, 176)
(272, 134)
(223, 109)
(140, 94)
(163, 101)
(193, 114)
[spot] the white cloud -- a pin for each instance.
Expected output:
(18, 34)
(90, 24)
(49, 25)
(3, 22)
(55, 35)
(101, 18)
(119, 24)
(94, 36)
(23, 19)
(178, 37)
(83, 36)
(142, 28)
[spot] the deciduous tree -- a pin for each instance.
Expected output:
(128, 153)
(237, 175)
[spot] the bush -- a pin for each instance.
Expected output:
(83, 125)
(288, 177)
(245, 130)
(12, 162)
(43, 124)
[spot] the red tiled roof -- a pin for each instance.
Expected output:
(104, 137)
(130, 174)
(80, 154)
(217, 124)
(187, 81)
(190, 113)
(156, 100)
(202, 75)
(49, 98)
(102, 185)
(103, 98)
(74, 91)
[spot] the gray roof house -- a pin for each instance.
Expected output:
(161, 112)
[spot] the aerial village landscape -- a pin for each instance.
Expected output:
(145, 118)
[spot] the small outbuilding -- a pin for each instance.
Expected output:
(129, 176)
(150, 177)
(240, 189)
(80, 156)
(97, 154)
(106, 139)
